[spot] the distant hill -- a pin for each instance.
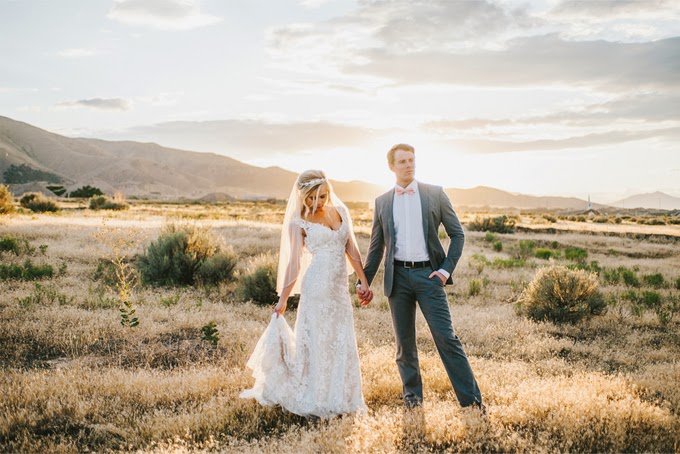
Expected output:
(482, 196)
(148, 169)
(655, 200)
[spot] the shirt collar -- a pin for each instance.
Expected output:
(413, 185)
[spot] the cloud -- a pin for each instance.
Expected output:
(162, 14)
(607, 9)
(537, 61)
(404, 26)
(484, 43)
(584, 141)
(314, 3)
(649, 108)
(99, 104)
(77, 53)
(250, 138)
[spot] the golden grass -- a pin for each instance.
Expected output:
(73, 379)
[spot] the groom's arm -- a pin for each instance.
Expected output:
(454, 230)
(376, 248)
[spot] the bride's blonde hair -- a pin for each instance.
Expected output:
(311, 182)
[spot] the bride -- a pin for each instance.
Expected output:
(313, 370)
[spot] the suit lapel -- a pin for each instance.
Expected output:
(389, 213)
(424, 208)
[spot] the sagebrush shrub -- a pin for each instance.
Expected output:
(101, 202)
(576, 254)
(542, 253)
(259, 285)
(17, 246)
(561, 295)
(27, 272)
(523, 250)
(218, 268)
(629, 277)
(474, 287)
(86, 192)
(6, 200)
(499, 224)
(38, 203)
(655, 280)
(179, 253)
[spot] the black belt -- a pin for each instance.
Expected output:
(424, 264)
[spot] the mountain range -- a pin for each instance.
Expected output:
(148, 170)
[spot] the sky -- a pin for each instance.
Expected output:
(546, 97)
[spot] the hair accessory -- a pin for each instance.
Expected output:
(312, 182)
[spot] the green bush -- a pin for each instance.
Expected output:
(655, 280)
(550, 218)
(26, 272)
(474, 287)
(651, 299)
(543, 253)
(102, 202)
(677, 283)
(259, 286)
(601, 219)
(629, 277)
(489, 237)
(218, 268)
(575, 254)
(561, 295)
(523, 250)
(38, 203)
(178, 254)
(17, 246)
(497, 246)
(18, 174)
(499, 224)
(86, 192)
(6, 200)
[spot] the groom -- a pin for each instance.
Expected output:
(405, 231)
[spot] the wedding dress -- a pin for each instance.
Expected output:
(313, 370)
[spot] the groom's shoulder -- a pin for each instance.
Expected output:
(383, 196)
(432, 188)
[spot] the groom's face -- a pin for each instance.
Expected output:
(404, 166)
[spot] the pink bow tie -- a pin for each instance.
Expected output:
(401, 191)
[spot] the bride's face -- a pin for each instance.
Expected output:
(316, 203)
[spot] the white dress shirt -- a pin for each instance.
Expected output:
(408, 226)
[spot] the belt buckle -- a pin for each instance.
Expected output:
(406, 264)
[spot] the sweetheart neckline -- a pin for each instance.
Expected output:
(324, 225)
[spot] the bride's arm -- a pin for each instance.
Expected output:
(354, 256)
(280, 307)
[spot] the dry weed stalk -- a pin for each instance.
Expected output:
(119, 245)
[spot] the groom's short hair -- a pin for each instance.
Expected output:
(399, 146)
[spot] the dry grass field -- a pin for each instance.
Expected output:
(73, 379)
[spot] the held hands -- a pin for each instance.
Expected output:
(280, 308)
(365, 294)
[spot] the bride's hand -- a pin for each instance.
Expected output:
(365, 294)
(280, 308)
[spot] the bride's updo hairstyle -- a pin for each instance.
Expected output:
(311, 182)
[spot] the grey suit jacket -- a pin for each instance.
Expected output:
(436, 209)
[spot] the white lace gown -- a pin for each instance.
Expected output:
(313, 370)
